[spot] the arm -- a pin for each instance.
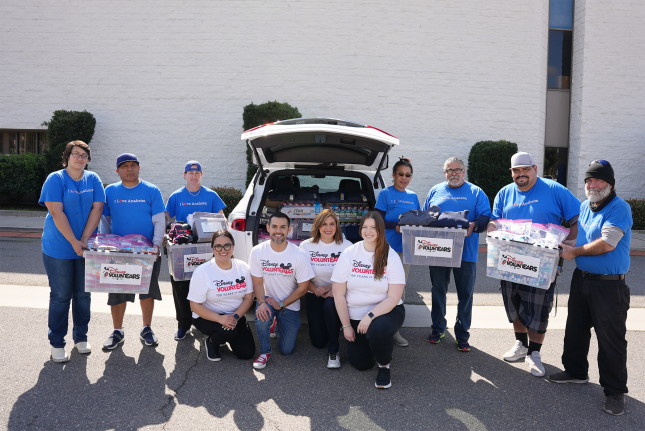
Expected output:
(62, 223)
(92, 221)
(159, 223)
(573, 233)
(295, 295)
(207, 314)
(394, 293)
(262, 312)
(594, 248)
(339, 290)
(388, 224)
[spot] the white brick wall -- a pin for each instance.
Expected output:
(168, 80)
(608, 93)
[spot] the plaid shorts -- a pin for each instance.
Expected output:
(530, 305)
(153, 292)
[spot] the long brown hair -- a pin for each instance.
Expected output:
(320, 219)
(382, 247)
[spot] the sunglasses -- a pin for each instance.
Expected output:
(220, 247)
(602, 162)
(401, 174)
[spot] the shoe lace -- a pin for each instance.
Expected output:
(517, 346)
(332, 357)
(262, 358)
(383, 373)
(537, 360)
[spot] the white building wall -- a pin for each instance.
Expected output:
(167, 80)
(608, 93)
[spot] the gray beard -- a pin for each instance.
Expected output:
(596, 196)
(278, 241)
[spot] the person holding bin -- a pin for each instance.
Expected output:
(367, 284)
(392, 202)
(221, 292)
(456, 194)
(183, 202)
(74, 199)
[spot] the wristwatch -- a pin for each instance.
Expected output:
(371, 315)
(281, 304)
(236, 316)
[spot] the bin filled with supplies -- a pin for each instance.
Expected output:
(184, 259)
(433, 246)
(118, 272)
(206, 224)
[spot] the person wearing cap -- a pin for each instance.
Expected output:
(456, 194)
(185, 201)
(541, 201)
(599, 295)
(134, 206)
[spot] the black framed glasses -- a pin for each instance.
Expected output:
(454, 171)
(83, 156)
(602, 162)
(220, 247)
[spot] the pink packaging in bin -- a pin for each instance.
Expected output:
(115, 272)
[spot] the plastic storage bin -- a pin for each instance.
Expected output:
(206, 224)
(433, 246)
(521, 262)
(114, 272)
(184, 259)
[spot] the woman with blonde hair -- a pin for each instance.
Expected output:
(324, 249)
(367, 285)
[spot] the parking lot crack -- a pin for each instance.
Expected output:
(172, 394)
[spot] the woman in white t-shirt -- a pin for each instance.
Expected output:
(221, 292)
(324, 249)
(367, 285)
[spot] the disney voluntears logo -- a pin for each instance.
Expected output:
(433, 247)
(276, 268)
(317, 257)
(362, 268)
(519, 264)
(192, 261)
(228, 285)
(120, 274)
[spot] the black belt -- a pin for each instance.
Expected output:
(591, 276)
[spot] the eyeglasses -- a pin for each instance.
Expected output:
(455, 171)
(220, 247)
(401, 174)
(602, 162)
(83, 156)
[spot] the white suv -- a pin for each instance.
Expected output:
(291, 155)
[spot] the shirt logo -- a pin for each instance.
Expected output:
(525, 203)
(322, 257)
(274, 267)
(362, 268)
(227, 285)
(183, 204)
(454, 197)
(128, 201)
(81, 192)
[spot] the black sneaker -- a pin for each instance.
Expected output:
(615, 404)
(180, 334)
(564, 377)
(212, 351)
(383, 378)
(148, 337)
(114, 340)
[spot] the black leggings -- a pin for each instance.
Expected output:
(378, 343)
(239, 338)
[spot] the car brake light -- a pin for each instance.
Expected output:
(256, 128)
(382, 131)
(239, 224)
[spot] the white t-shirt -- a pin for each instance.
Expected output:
(281, 271)
(219, 290)
(356, 268)
(323, 258)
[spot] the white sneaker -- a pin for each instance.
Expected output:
(534, 361)
(83, 347)
(517, 352)
(59, 355)
(334, 360)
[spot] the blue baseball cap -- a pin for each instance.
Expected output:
(126, 157)
(193, 165)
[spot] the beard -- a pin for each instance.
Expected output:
(597, 195)
(522, 181)
(278, 240)
(454, 181)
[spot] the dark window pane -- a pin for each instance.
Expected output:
(555, 164)
(561, 14)
(559, 70)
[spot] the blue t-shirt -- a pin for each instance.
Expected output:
(395, 202)
(465, 197)
(182, 203)
(77, 198)
(617, 213)
(132, 209)
(546, 202)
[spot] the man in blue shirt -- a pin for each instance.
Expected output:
(183, 202)
(541, 201)
(599, 296)
(134, 207)
(457, 195)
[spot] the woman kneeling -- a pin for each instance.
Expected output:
(221, 292)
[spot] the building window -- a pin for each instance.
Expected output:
(559, 69)
(561, 14)
(23, 141)
(556, 161)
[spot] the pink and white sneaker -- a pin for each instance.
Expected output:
(261, 361)
(272, 333)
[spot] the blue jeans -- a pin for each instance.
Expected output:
(465, 283)
(287, 330)
(67, 283)
(324, 324)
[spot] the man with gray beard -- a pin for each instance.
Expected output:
(599, 296)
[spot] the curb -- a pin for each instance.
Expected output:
(12, 213)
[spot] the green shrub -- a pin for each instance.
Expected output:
(257, 115)
(21, 174)
(488, 166)
(64, 127)
(638, 213)
(230, 196)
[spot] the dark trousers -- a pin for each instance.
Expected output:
(378, 343)
(239, 338)
(324, 324)
(182, 304)
(603, 305)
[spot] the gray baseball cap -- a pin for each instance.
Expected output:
(520, 160)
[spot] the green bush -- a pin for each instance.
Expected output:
(638, 213)
(64, 127)
(257, 115)
(488, 166)
(21, 174)
(230, 196)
